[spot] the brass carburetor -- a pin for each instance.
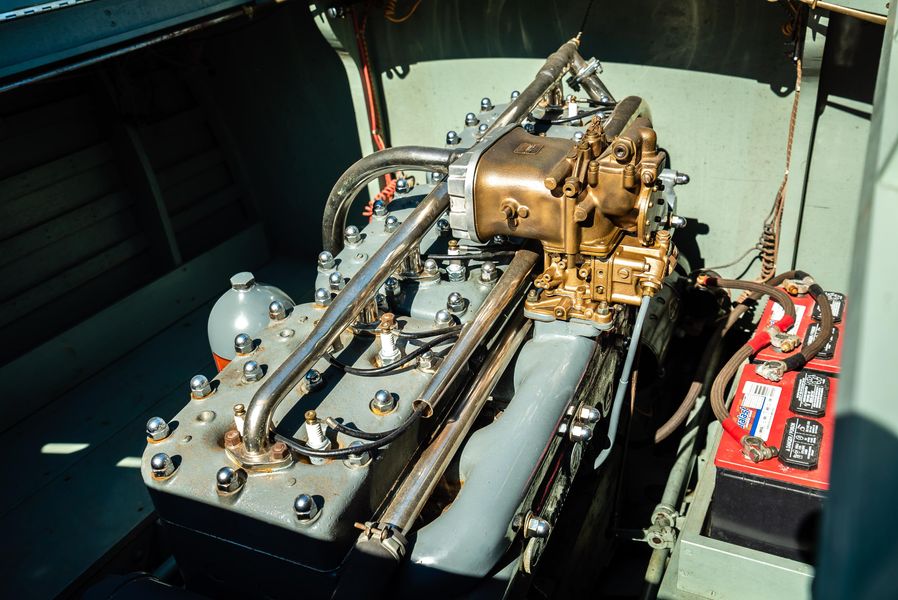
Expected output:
(596, 206)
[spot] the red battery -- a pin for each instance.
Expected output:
(796, 415)
(806, 326)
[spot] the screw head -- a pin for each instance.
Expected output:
(239, 410)
(335, 280)
(200, 386)
(489, 272)
(379, 208)
(456, 272)
(452, 138)
(537, 528)
(352, 235)
(277, 311)
(157, 429)
(515, 94)
(443, 317)
(359, 459)
(431, 267)
(305, 508)
(162, 465)
(383, 402)
(252, 371)
(229, 480)
(326, 261)
(456, 303)
(243, 343)
(391, 224)
(242, 281)
(471, 119)
(314, 379)
(402, 186)
(322, 297)
(481, 129)
(486, 104)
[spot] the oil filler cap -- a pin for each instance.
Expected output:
(810, 394)
(800, 447)
(836, 304)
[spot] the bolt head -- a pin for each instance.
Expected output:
(452, 138)
(229, 480)
(314, 379)
(578, 136)
(380, 208)
(383, 401)
(537, 528)
(402, 186)
(678, 222)
(305, 508)
(157, 429)
(326, 261)
(322, 297)
(391, 224)
(277, 311)
(443, 317)
(481, 129)
(200, 386)
(239, 410)
(242, 281)
(393, 286)
(359, 459)
(486, 104)
(515, 94)
(231, 439)
(443, 226)
(352, 235)
(279, 451)
(427, 360)
(162, 465)
(252, 371)
(243, 343)
(456, 272)
(471, 119)
(435, 177)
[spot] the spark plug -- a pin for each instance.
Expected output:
(316, 437)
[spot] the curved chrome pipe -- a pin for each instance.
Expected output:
(549, 74)
(340, 315)
(363, 171)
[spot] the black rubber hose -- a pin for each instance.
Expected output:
(356, 177)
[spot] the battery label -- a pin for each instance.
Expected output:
(757, 408)
(836, 303)
(800, 447)
(777, 313)
(810, 394)
(829, 349)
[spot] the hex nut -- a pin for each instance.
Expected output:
(391, 224)
(243, 343)
(157, 429)
(537, 527)
(200, 387)
(383, 402)
(279, 451)
(352, 235)
(322, 297)
(305, 508)
(162, 466)
(252, 371)
(360, 459)
(242, 281)
(231, 439)
(229, 480)
(326, 261)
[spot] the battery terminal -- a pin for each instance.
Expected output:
(781, 340)
(756, 449)
(797, 287)
(771, 370)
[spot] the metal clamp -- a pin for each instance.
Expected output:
(771, 370)
(592, 66)
(786, 342)
(388, 536)
(756, 450)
